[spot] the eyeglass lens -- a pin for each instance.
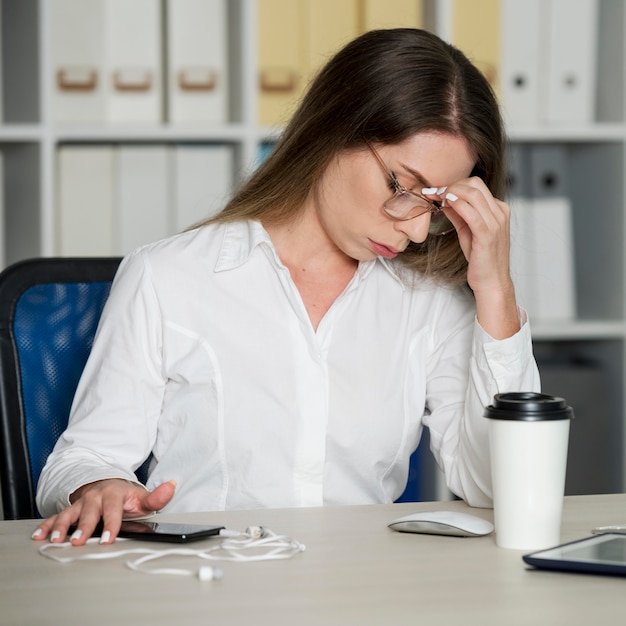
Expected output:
(407, 205)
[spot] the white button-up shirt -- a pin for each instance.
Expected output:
(205, 357)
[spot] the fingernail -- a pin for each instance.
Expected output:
(106, 536)
(55, 535)
(77, 534)
(37, 533)
(451, 196)
(173, 482)
(428, 190)
(441, 190)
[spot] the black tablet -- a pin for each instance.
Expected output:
(599, 554)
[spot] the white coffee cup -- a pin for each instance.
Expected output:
(528, 439)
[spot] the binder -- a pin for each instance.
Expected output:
(78, 52)
(523, 31)
(522, 244)
(329, 26)
(391, 14)
(85, 201)
(133, 61)
(552, 234)
(281, 58)
(296, 38)
(203, 182)
(595, 436)
(570, 61)
(197, 65)
(475, 29)
(142, 194)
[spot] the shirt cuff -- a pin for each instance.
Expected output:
(503, 357)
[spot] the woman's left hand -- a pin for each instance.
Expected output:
(482, 224)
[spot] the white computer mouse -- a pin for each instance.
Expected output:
(452, 523)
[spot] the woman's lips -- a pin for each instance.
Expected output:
(385, 251)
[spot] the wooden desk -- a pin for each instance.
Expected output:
(354, 571)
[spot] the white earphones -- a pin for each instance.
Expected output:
(268, 546)
(206, 572)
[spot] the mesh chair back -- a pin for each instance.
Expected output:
(49, 312)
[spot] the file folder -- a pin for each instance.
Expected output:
(552, 234)
(523, 31)
(391, 14)
(78, 51)
(522, 245)
(133, 61)
(85, 200)
(329, 26)
(570, 61)
(475, 30)
(203, 182)
(281, 58)
(197, 61)
(142, 210)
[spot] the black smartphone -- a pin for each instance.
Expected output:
(172, 532)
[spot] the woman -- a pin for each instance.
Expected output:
(290, 351)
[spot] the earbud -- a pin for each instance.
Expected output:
(206, 573)
(256, 532)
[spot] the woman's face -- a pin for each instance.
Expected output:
(350, 197)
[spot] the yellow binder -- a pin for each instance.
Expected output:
(280, 58)
(476, 31)
(391, 14)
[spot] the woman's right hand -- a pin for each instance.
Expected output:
(111, 500)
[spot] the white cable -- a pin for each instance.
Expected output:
(233, 548)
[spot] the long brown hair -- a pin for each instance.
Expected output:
(384, 86)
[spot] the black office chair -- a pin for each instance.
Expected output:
(49, 311)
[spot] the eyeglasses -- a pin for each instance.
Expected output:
(406, 204)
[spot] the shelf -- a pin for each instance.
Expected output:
(598, 132)
(578, 330)
(20, 133)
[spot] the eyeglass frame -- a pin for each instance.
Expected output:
(433, 208)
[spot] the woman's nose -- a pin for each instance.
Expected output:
(416, 229)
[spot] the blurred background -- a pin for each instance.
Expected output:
(124, 121)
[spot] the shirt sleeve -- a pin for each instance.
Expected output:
(466, 369)
(114, 415)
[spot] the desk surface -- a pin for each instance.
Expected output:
(354, 571)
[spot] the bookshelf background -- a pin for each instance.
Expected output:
(591, 343)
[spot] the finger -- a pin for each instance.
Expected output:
(91, 504)
(112, 513)
(62, 523)
(156, 499)
(43, 530)
(86, 522)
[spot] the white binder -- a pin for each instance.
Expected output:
(522, 245)
(142, 206)
(133, 61)
(78, 51)
(522, 31)
(552, 235)
(203, 182)
(197, 66)
(85, 201)
(569, 59)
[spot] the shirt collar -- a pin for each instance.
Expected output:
(242, 237)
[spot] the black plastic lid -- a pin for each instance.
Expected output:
(528, 406)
